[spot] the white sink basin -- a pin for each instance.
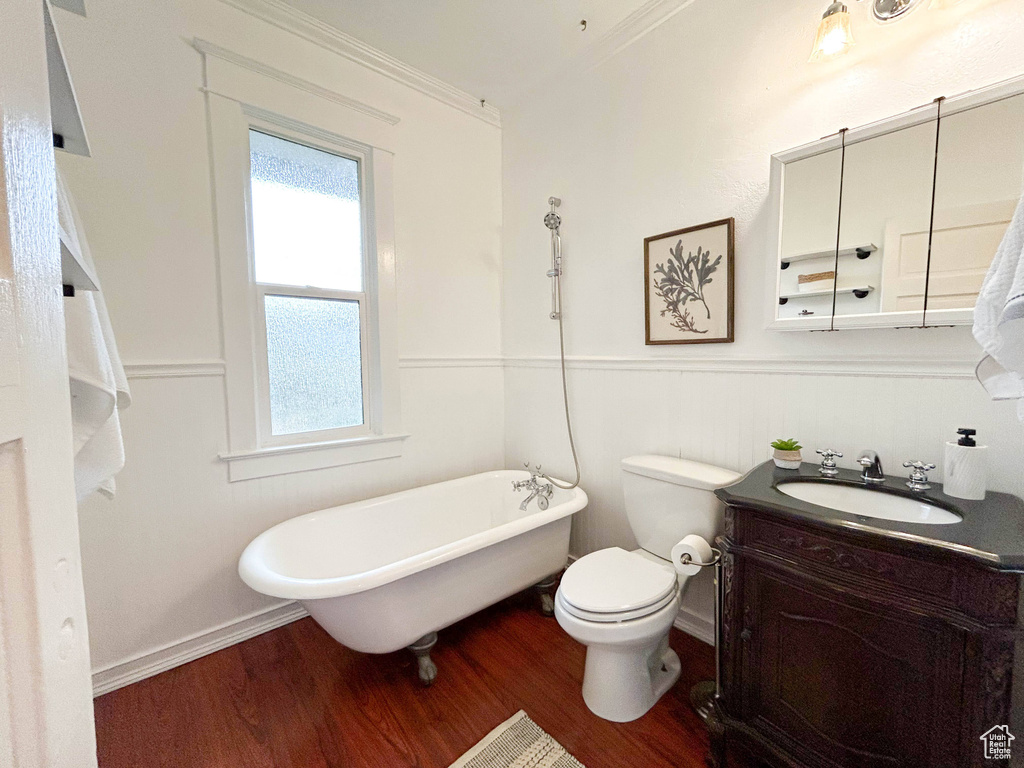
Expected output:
(869, 502)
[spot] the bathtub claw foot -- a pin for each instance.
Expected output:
(427, 668)
(546, 601)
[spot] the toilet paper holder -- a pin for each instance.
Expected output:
(687, 560)
(704, 694)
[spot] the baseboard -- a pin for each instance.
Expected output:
(191, 648)
(698, 626)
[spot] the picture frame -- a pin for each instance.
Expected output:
(689, 285)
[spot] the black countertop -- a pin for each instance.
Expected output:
(991, 532)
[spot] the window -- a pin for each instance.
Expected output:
(307, 221)
(306, 254)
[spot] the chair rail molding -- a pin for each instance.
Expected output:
(284, 16)
(821, 366)
(824, 366)
(173, 369)
(181, 369)
(451, 362)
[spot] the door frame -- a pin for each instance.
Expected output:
(46, 714)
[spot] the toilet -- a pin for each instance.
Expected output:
(621, 604)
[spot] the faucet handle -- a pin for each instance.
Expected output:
(828, 461)
(918, 475)
(919, 465)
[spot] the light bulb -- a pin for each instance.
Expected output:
(835, 33)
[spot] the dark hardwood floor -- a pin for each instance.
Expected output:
(295, 698)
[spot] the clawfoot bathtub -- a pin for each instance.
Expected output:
(389, 572)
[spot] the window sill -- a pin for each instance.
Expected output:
(283, 460)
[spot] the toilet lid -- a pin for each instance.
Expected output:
(614, 581)
(618, 617)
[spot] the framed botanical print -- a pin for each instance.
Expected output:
(688, 284)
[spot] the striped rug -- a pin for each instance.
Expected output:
(517, 743)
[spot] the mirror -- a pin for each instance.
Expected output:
(977, 185)
(887, 196)
(880, 254)
(811, 202)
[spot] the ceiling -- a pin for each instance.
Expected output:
(492, 49)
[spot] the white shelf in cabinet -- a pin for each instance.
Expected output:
(75, 6)
(74, 271)
(860, 251)
(65, 116)
(856, 290)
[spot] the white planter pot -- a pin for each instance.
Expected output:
(787, 459)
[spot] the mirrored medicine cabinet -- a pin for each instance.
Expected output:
(894, 224)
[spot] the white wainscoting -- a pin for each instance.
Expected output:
(160, 559)
(721, 411)
(725, 412)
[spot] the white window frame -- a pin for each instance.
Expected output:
(366, 299)
(253, 451)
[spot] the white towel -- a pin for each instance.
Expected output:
(99, 386)
(999, 318)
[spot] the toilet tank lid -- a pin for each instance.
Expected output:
(680, 471)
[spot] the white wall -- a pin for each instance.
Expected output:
(677, 130)
(160, 559)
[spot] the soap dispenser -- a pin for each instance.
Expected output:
(966, 473)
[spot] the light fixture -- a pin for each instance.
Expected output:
(835, 35)
(890, 10)
(941, 5)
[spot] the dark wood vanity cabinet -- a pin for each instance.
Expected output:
(844, 648)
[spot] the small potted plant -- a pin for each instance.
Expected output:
(787, 453)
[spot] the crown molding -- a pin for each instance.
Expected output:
(643, 20)
(284, 16)
(212, 49)
(640, 22)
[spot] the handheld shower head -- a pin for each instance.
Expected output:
(552, 220)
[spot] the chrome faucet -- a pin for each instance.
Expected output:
(918, 480)
(871, 473)
(828, 466)
(542, 492)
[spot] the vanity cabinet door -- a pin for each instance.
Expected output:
(847, 681)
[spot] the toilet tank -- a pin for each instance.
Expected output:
(668, 498)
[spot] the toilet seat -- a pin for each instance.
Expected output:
(614, 585)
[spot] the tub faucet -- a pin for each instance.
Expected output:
(871, 473)
(538, 490)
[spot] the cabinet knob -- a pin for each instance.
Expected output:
(745, 635)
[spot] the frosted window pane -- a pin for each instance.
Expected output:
(307, 227)
(313, 353)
